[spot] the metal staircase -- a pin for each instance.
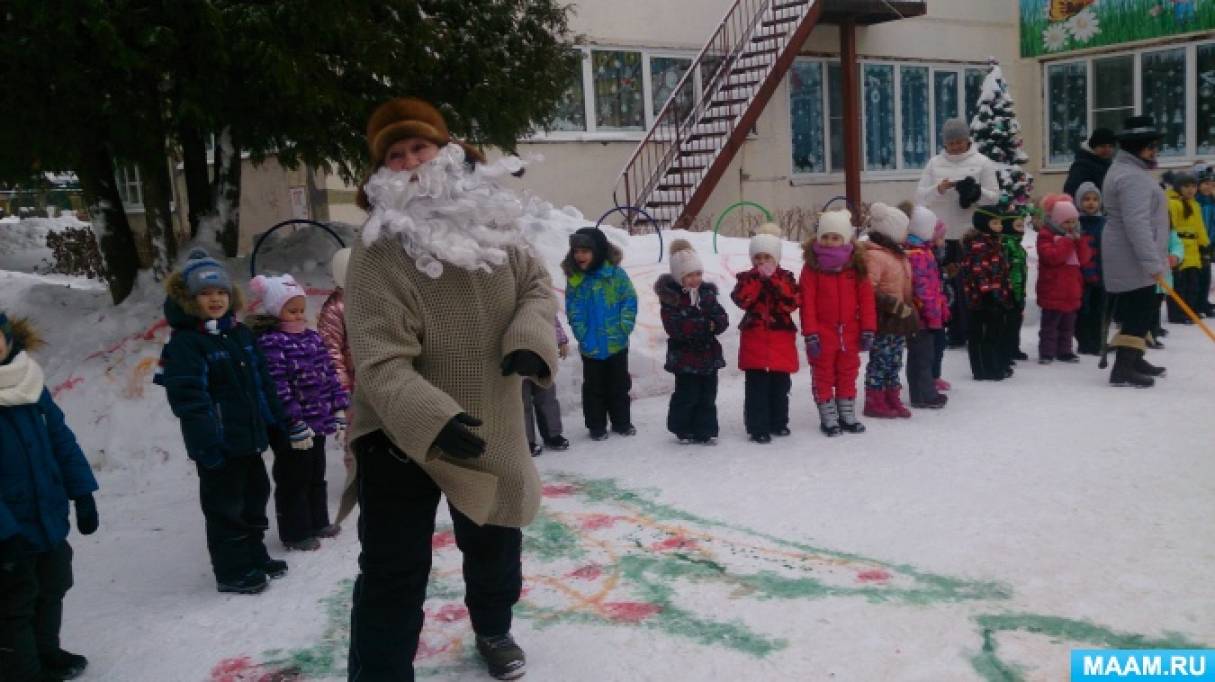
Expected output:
(676, 166)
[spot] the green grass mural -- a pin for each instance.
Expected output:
(1106, 22)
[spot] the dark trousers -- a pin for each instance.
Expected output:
(301, 494)
(1090, 322)
(605, 392)
(234, 499)
(940, 339)
(693, 409)
(1204, 288)
(1187, 284)
(921, 355)
(31, 611)
(1012, 331)
(1055, 334)
(1138, 310)
(959, 314)
(985, 343)
(540, 407)
(397, 503)
(766, 401)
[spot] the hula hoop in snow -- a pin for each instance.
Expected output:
(731, 207)
(625, 210)
(843, 198)
(295, 221)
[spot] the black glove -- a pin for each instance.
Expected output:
(969, 192)
(86, 514)
(524, 363)
(458, 441)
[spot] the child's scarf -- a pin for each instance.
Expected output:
(21, 381)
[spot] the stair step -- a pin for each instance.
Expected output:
(781, 18)
(726, 100)
(770, 39)
(773, 32)
(756, 52)
(787, 4)
(741, 85)
(675, 186)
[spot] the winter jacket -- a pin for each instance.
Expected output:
(601, 306)
(1091, 226)
(331, 324)
(1087, 167)
(768, 339)
(304, 379)
(984, 272)
(1018, 266)
(890, 272)
(41, 466)
(1191, 230)
(1060, 278)
(839, 303)
(429, 348)
(216, 381)
(1208, 215)
(1136, 235)
(944, 166)
(1176, 250)
(927, 288)
(692, 330)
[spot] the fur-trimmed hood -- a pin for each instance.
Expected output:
(858, 257)
(669, 291)
(23, 338)
(881, 241)
(614, 257)
(181, 310)
(261, 323)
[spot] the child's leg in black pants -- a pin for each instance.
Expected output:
(704, 418)
(684, 401)
(757, 412)
(620, 383)
(294, 487)
(31, 610)
(318, 493)
(778, 401)
(234, 498)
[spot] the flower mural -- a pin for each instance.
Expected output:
(1055, 26)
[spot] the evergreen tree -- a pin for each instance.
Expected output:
(997, 133)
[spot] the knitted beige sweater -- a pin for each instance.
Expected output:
(427, 349)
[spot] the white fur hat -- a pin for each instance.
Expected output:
(767, 240)
(923, 223)
(275, 291)
(337, 266)
(836, 222)
(889, 221)
(684, 260)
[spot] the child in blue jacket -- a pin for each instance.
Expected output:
(216, 381)
(602, 309)
(41, 469)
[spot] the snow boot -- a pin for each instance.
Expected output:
(275, 568)
(847, 410)
(305, 545)
(1071, 358)
(782, 431)
(704, 440)
(895, 402)
(1124, 372)
(876, 405)
(761, 438)
(1045, 360)
(250, 583)
(330, 531)
(1144, 367)
(503, 656)
(599, 435)
(1019, 354)
(536, 449)
(557, 443)
(936, 402)
(684, 438)
(62, 665)
(626, 430)
(829, 419)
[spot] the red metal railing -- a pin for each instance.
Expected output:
(688, 132)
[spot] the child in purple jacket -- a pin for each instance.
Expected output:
(314, 401)
(931, 304)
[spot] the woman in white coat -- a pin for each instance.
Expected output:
(953, 184)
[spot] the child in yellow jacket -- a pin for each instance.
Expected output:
(1185, 216)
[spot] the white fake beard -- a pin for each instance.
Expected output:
(448, 214)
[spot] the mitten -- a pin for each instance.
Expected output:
(969, 192)
(814, 346)
(300, 436)
(524, 363)
(767, 269)
(456, 440)
(86, 514)
(866, 340)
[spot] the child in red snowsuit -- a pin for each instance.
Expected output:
(767, 351)
(1062, 254)
(838, 320)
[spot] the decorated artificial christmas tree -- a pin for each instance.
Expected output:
(997, 133)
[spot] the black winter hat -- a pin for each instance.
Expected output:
(1139, 129)
(594, 239)
(1101, 136)
(983, 217)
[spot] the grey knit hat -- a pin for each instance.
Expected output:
(202, 271)
(955, 129)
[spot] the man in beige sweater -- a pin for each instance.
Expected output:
(447, 311)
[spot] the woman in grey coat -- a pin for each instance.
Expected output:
(1134, 247)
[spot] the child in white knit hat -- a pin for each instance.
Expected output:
(692, 318)
(838, 319)
(931, 305)
(767, 351)
(890, 273)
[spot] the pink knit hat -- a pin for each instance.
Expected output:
(275, 292)
(1059, 209)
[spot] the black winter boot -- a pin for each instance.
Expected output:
(62, 665)
(1144, 367)
(1124, 372)
(502, 656)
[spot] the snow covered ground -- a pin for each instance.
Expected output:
(981, 542)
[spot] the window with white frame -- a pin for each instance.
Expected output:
(1175, 85)
(619, 90)
(904, 105)
(130, 187)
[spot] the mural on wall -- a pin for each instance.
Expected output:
(1056, 26)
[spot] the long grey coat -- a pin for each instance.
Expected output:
(1135, 242)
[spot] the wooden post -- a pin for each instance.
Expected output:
(852, 116)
